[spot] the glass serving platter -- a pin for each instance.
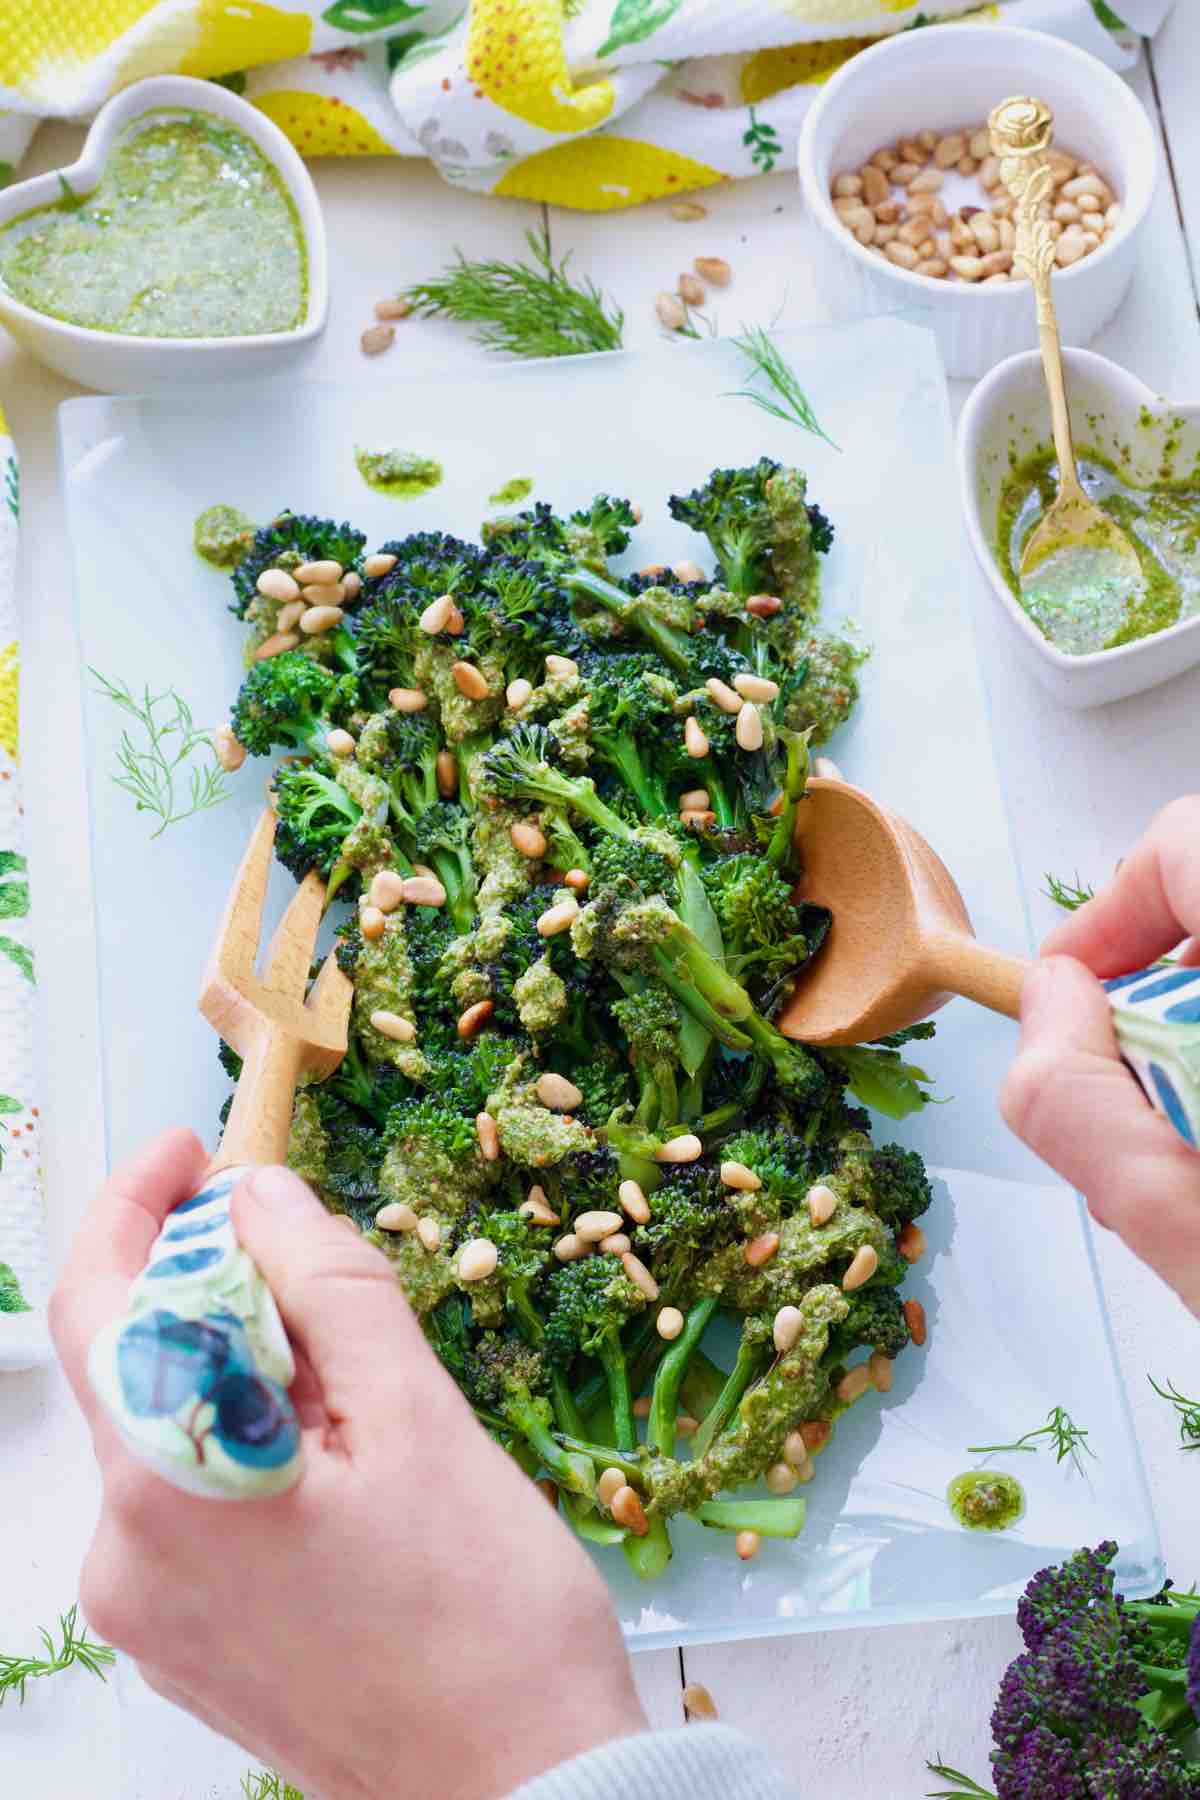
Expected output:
(1016, 1321)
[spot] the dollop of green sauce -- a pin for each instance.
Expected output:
(222, 535)
(190, 233)
(519, 488)
(1162, 522)
(400, 473)
(986, 1500)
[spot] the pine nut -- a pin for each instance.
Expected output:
(289, 616)
(927, 182)
(352, 584)
(966, 165)
(380, 562)
(885, 160)
(856, 217)
(903, 255)
(672, 313)
(991, 280)
(228, 752)
(616, 1244)
(610, 1482)
(686, 1426)
(640, 1275)
(517, 693)
(628, 1511)
(1008, 233)
(371, 923)
(911, 1242)
(486, 1130)
(682, 1149)
(687, 210)
(634, 1202)
(914, 1318)
(691, 289)
(724, 697)
(747, 1544)
(904, 172)
(713, 269)
(469, 681)
(277, 584)
(475, 1017)
(969, 267)
(980, 144)
(538, 1212)
(1091, 241)
(556, 1092)
(1112, 217)
(320, 572)
(695, 800)
(875, 187)
(927, 139)
(408, 700)
(561, 668)
(641, 1408)
(795, 1450)
(737, 1175)
(749, 728)
(756, 687)
(424, 890)
(276, 645)
(653, 570)
(320, 618)
(528, 839)
(698, 821)
(889, 213)
(568, 1248)
(949, 149)
(395, 1216)
(822, 1203)
(1066, 210)
(376, 338)
(863, 1266)
(760, 1250)
(989, 172)
(669, 1323)
(559, 917)
(816, 1434)
(590, 1227)
(1086, 184)
(393, 309)
(853, 1385)
(764, 606)
(477, 1260)
(880, 1369)
(933, 266)
(983, 230)
(392, 1025)
(549, 1489)
(445, 771)
(997, 262)
(780, 1478)
(433, 619)
(786, 1328)
(339, 742)
(847, 184)
(577, 880)
(694, 740)
(430, 1234)
(1062, 166)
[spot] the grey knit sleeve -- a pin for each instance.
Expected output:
(693, 1762)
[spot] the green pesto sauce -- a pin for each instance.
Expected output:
(190, 233)
(222, 535)
(519, 488)
(986, 1500)
(400, 473)
(1162, 523)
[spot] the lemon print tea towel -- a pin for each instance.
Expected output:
(597, 104)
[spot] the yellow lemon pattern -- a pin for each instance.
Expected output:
(237, 34)
(322, 125)
(768, 72)
(10, 669)
(600, 174)
(43, 37)
(515, 56)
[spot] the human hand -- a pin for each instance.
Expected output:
(409, 1617)
(1070, 1096)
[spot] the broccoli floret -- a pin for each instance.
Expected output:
(290, 702)
(760, 529)
(900, 1188)
(315, 815)
(827, 687)
(588, 1303)
(520, 768)
(506, 1375)
(288, 541)
(691, 1217)
(875, 1321)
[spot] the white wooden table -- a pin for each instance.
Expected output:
(853, 1714)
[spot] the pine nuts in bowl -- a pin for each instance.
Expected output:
(939, 85)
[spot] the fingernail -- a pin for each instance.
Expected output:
(1038, 997)
(279, 1191)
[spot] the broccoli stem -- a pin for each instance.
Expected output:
(603, 1456)
(622, 755)
(782, 844)
(568, 1470)
(701, 1385)
(672, 645)
(769, 1518)
(611, 1354)
(648, 1556)
(751, 1360)
(664, 1402)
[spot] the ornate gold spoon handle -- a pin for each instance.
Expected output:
(1021, 131)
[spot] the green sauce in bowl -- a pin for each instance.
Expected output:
(191, 233)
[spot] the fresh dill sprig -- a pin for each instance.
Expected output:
(790, 403)
(528, 311)
(1067, 1437)
(1188, 1410)
(265, 1784)
(150, 772)
(964, 1784)
(1070, 895)
(76, 1647)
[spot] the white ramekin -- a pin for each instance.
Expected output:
(950, 76)
(1115, 413)
(115, 363)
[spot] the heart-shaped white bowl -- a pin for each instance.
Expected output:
(1112, 411)
(118, 364)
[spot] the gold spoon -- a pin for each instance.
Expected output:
(1079, 571)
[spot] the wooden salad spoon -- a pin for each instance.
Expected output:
(1078, 570)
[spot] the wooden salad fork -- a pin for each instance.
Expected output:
(196, 1373)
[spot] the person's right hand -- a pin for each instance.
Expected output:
(410, 1618)
(1069, 1095)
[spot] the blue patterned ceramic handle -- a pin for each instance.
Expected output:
(1157, 1017)
(196, 1374)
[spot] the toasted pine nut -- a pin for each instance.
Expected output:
(276, 644)
(577, 880)
(634, 1202)
(903, 255)
(875, 186)
(475, 1017)
(652, 570)
(885, 160)
(528, 839)
(641, 1408)
(408, 700)
(277, 584)
(695, 800)
(320, 572)
(786, 1328)
(568, 1248)
(933, 266)
(911, 1242)
(556, 918)
(694, 740)
(616, 1244)
(698, 821)
(747, 1544)
(424, 890)
(1112, 217)
(486, 1130)
(816, 1434)
(669, 1323)
(227, 750)
(434, 617)
(393, 309)
(393, 1025)
(749, 728)
(780, 1478)
(610, 1482)
(737, 1175)
(372, 924)
(713, 269)
(317, 619)
(723, 695)
(1087, 184)
(983, 230)
(822, 1203)
(339, 742)
(969, 267)
(289, 616)
(686, 1426)
(997, 262)
(864, 1265)
(538, 1212)
(456, 623)
(989, 172)
(888, 212)
(469, 681)
(880, 1368)
(682, 1149)
(562, 668)
(1066, 210)
(949, 149)
(756, 687)
(562, 1095)
(672, 313)
(376, 338)
(430, 1234)
(477, 1259)
(854, 1384)
(517, 693)
(691, 289)
(764, 606)
(914, 1318)
(795, 1450)
(395, 1216)
(980, 144)
(904, 172)
(352, 584)
(640, 1275)
(628, 1511)
(760, 1250)
(687, 210)
(927, 182)
(445, 770)
(380, 562)
(847, 184)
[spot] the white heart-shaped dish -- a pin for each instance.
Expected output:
(115, 363)
(1112, 411)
